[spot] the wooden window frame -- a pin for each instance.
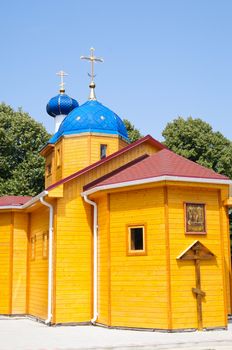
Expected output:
(106, 147)
(185, 219)
(33, 248)
(45, 251)
(58, 157)
(131, 252)
(49, 169)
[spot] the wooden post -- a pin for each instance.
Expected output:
(197, 252)
(198, 295)
(197, 290)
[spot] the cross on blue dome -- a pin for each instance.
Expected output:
(91, 117)
(61, 104)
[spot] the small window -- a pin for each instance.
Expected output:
(45, 245)
(33, 242)
(103, 149)
(58, 158)
(195, 218)
(136, 240)
(49, 169)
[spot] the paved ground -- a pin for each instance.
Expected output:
(25, 334)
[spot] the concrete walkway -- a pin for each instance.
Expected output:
(25, 334)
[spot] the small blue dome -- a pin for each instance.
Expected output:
(92, 116)
(61, 104)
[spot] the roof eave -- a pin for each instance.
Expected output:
(46, 149)
(25, 205)
(157, 179)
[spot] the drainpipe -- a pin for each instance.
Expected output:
(50, 260)
(95, 257)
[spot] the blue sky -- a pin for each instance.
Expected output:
(163, 58)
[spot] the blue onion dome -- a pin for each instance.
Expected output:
(92, 116)
(61, 104)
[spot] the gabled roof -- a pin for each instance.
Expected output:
(147, 138)
(14, 200)
(160, 164)
(190, 251)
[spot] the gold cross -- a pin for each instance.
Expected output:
(92, 60)
(62, 74)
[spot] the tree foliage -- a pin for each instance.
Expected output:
(21, 166)
(196, 140)
(133, 133)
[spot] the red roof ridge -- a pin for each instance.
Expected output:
(106, 159)
(160, 164)
(116, 171)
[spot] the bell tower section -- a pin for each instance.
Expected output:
(84, 134)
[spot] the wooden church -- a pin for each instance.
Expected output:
(124, 235)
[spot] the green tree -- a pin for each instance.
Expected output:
(21, 166)
(196, 140)
(133, 133)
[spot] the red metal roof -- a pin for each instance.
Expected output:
(147, 138)
(13, 200)
(164, 162)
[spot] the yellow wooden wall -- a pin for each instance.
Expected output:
(222, 196)
(121, 143)
(114, 143)
(183, 273)
(51, 178)
(6, 239)
(51, 157)
(83, 150)
(59, 164)
(38, 268)
(104, 261)
(139, 286)
(73, 296)
(155, 291)
(13, 262)
(183, 304)
(19, 256)
(75, 154)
